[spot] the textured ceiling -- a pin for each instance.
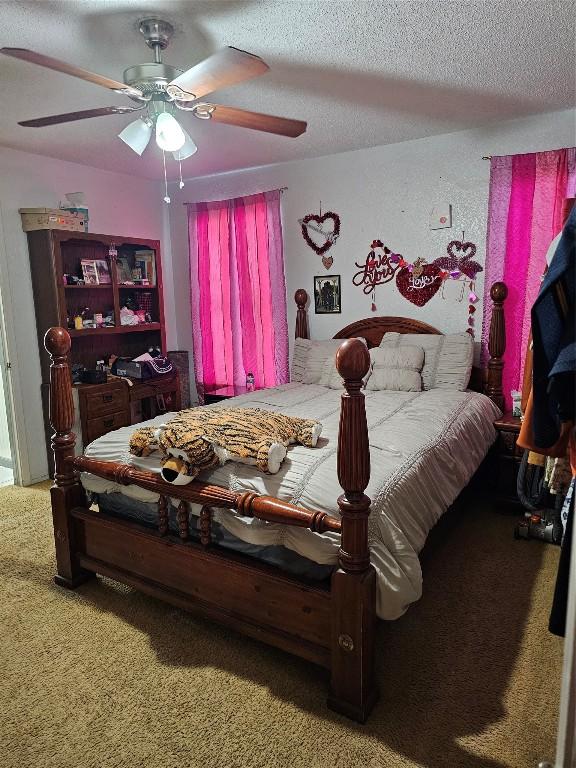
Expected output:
(361, 73)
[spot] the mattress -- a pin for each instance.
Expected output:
(424, 448)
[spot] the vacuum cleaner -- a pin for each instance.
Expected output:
(542, 519)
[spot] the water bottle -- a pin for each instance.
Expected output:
(250, 382)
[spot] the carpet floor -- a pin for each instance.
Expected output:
(104, 677)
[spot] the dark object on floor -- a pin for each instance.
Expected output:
(543, 518)
(557, 623)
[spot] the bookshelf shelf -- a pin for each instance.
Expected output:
(116, 329)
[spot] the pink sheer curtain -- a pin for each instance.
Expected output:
(524, 216)
(238, 291)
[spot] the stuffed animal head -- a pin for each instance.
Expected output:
(176, 470)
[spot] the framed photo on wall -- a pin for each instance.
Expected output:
(327, 295)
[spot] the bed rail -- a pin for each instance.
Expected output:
(249, 504)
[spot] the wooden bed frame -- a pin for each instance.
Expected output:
(331, 624)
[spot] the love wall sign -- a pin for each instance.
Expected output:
(418, 282)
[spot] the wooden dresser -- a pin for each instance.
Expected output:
(105, 407)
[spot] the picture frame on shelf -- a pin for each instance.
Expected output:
(123, 272)
(103, 270)
(327, 295)
(89, 272)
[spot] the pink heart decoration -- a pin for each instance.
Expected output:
(331, 237)
(419, 290)
(327, 261)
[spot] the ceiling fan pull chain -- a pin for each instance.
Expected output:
(181, 183)
(166, 196)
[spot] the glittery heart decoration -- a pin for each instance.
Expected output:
(419, 289)
(464, 250)
(459, 260)
(330, 237)
(327, 261)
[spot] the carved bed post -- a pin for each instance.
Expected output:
(66, 492)
(496, 344)
(353, 688)
(301, 299)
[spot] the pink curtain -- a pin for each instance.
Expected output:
(238, 291)
(524, 216)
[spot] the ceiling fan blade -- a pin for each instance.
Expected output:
(257, 121)
(69, 117)
(69, 69)
(226, 67)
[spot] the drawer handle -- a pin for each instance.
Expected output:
(107, 398)
(108, 422)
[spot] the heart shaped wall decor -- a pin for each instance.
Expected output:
(317, 221)
(327, 261)
(419, 289)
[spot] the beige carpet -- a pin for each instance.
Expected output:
(106, 678)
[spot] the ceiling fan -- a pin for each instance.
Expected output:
(159, 89)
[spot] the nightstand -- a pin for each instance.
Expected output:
(507, 457)
(223, 392)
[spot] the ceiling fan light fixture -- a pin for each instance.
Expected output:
(187, 149)
(137, 134)
(169, 134)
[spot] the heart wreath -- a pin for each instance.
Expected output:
(331, 237)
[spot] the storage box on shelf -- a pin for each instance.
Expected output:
(56, 263)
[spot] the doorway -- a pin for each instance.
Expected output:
(6, 457)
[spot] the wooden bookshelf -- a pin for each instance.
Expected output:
(56, 253)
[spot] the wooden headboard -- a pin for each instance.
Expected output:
(373, 328)
(487, 380)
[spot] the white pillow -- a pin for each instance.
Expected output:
(299, 355)
(447, 358)
(309, 357)
(396, 369)
(331, 378)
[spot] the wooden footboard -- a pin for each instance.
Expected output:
(331, 624)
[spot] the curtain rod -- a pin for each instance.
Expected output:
(281, 189)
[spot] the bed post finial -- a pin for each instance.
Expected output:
(496, 344)
(301, 299)
(66, 492)
(353, 689)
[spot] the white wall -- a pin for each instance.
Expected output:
(118, 204)
(384, 192)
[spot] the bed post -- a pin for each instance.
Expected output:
(301, 299)
(353, 591)
(496, 344)
(66, 492)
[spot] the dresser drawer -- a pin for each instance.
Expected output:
(106, 423)
(108, 400)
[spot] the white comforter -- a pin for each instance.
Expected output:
(424, 448)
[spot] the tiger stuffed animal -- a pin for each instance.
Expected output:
(201, 438)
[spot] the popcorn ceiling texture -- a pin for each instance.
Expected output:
(361, 73)
(104, 677)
